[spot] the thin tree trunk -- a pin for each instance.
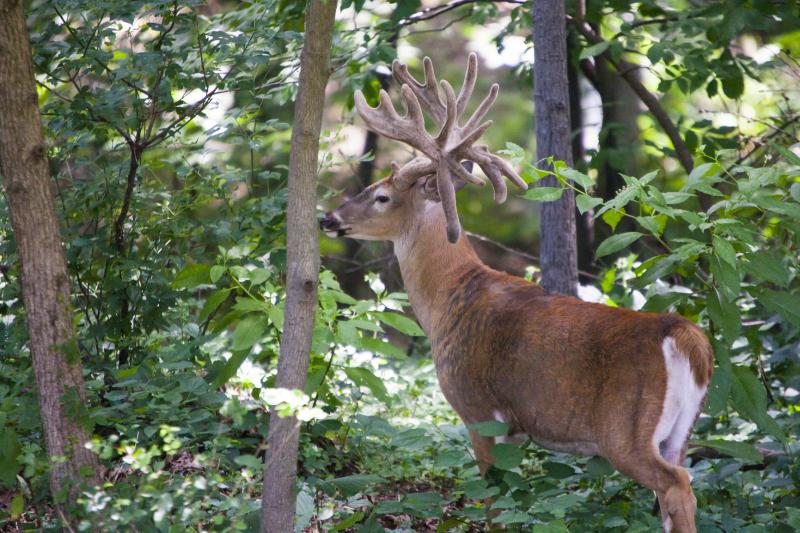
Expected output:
(619, 140)
(302, 246)
(44, 280)
(557, 241)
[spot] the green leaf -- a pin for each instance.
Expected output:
(794, 191)
(511, 517)
(578, 177)
(382, 347)
(785, 304)
(9, 451)
(506, 456)
(698, 173)
(543, 194)
(653, 224)
(17, 506)
(724, 314)
(598, 467)
(720, 387)
(584, 202)
(412, 439)
(612, 217)
(727, 278)
(616, 243)
(656, 52)
(228, 370)
(478, 489)
(347, 334)
(724, 250)
(352, 485)
(556, 526)
(656, 268)
(750, 400)
(371, 524)
(740, 450)
(399, 322)
(216, 272)
(787, 154)
(191, 276)
(349, 522)
(364, 377)
(733, 86)
(249, 461)
(673, 198)
(491, 428)
(423, 502)
(249, 331)
(594, 50)
(213, 302)
(767, 266)
(557, 470)
(448, 458)
(662, 302)
(276, 316)
(304, 507)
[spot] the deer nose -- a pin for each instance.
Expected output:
(329, 222)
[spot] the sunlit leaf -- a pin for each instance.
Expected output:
(616, 243)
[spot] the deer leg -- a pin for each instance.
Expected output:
(482, 446)
(670, 483)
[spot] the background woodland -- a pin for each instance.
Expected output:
(167, 130)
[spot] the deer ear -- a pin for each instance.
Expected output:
(458, 183)
(429, 189)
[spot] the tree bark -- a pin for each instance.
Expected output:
(44, 280)
(557, 241)
(619, 140)
(302, 247)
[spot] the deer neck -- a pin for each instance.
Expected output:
(431, 266)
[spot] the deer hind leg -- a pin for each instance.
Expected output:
(670, 483)
(482, 446)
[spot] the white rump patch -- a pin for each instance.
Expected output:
(681, 403)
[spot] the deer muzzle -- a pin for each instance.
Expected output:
(331, 224)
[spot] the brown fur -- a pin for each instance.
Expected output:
(692, 341)
(575, 376)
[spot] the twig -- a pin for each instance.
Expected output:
(526, 255)
(119, 237)
(64, 520)
(432, 12)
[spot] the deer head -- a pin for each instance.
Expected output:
(444, 165)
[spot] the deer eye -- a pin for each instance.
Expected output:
(381, 199)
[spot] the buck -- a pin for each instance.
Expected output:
(576, 377)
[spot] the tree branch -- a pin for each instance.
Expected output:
(119, 224)
(433, 12)
(626, 71)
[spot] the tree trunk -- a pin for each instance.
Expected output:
(557, 243)
(44, 280)
(302, 247)
(619, 140)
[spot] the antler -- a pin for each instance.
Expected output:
(442, 154)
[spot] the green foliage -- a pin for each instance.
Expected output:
(738, 291)
(183, 112)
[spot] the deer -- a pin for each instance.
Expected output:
(574, 376)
